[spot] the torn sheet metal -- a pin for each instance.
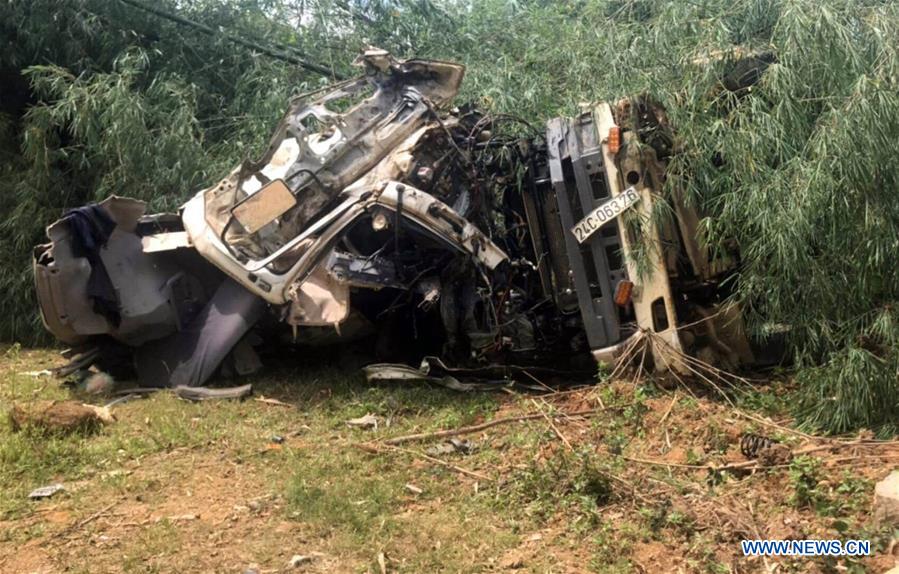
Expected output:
(320, 300)
(165, 242)
(491, 377)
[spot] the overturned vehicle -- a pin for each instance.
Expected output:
(476, 246)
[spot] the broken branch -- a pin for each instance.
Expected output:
(480, 427)
(553, 426)
(378, 448)
(273, 402)
(89, 519)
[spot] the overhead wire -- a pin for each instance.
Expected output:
(279, 51)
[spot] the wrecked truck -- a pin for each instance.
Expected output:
(463, 244)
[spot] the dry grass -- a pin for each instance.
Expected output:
(181, 487)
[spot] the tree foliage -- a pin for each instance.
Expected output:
(799, 170)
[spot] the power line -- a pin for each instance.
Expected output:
(267, 50)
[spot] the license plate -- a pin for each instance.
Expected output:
(604, 214)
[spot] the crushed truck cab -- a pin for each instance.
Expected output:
(476, 245)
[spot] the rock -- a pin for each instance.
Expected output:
(886, 500)
(298, 560)
(59, 416)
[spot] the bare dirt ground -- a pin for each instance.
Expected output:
(647, 479)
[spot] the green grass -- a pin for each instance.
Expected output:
(353, 502)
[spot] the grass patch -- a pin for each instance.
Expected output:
(253, 500)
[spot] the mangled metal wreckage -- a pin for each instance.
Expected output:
(474, 243)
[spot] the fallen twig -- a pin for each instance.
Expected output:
(273, 402)
(83, 523)
(629, 485)
(782, 428)
(652, 462)
(832, 441)
(669, 409)
(480, 427)
(538, 381)
(754, 464)
(553, 426)
(377, 449)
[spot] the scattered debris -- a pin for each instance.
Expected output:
(492, 377)
(376, 448)
(46, 491)
(59, 416)
(382, 562)
(441, 449)
(484, 426)
(369, 421)
(43, 373)
(451, 446)
(277, 439)
(88, 520)
(413, 489)
(209, 394)
(751, 444)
